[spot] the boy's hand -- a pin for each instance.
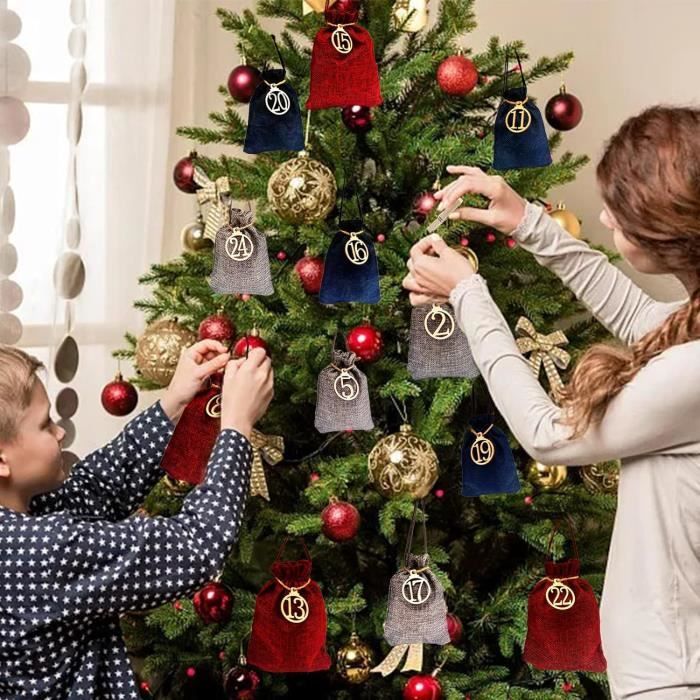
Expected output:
(196, 364)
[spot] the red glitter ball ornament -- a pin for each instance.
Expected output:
(457, 76)
(423, 204)
(216, 327)
(341, 520)
(454, 628)
(250, 341)
(310, 271)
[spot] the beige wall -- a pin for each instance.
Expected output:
(628, 54)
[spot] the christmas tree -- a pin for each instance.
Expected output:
(382, 163)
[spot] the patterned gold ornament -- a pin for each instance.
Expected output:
(158, 350)
(268, 448)
(403, 463)
(545, 476)
(216, 194)
(543, 351)
(568, 221)
(302, 190)
(354, 660)
(601, 478)
(402, 9)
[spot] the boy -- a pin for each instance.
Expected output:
(72, 560)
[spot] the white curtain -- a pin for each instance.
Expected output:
(122, 173)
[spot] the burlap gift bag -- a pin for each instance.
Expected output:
(241, 261)
(437, 348)
(342, 397)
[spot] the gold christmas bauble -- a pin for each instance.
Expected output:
(158, 350)
(193, 238)
(355, 660)
(302, 190)
(402, 463)
(547, 477)
(568, 221)
(402, 9)
(601, 478)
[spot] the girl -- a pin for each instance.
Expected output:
(638, 401)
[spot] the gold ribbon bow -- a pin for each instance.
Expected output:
(211, 192)
(269, 448)
(543, 351)
(414, 659)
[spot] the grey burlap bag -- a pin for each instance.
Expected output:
(416, 611)
(342, 397)
(444, 354)
(241, 262)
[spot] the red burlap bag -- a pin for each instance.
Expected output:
(563, 622)
(289, 636)
(341, 79)
(187, 453)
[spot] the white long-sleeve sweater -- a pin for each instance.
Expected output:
(650, 609)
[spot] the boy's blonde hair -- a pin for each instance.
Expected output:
(17, 376)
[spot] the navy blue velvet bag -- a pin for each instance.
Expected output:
(488, 465)
(520, 139)
(274, 117)
(350, 270)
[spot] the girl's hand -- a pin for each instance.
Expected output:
(434, 270)
(197, 363)
(506, 207)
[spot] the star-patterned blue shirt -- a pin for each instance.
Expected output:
(76, 561)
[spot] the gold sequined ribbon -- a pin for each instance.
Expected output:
(414, 659)
(269, 448)
(211, 192)
(543, 351)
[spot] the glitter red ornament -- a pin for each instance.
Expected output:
(439, 493)
(457, 75)
(191, 672)
(567, 687)
(357, 119)
(242, 82)
(564, 111)
(314, 476)
(511, 242)
(213, 603)
(119, 397)
(183, 174)
(454, 628)
(250, 341)
(380, 238)
(281, 255)
(528, 500)
(366, 342)
(490, 237)
(216, 327)
(310, 272)
(341, 520)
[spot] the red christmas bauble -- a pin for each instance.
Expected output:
(242, 82)
(213, 603)
(357, 119)
(366, 342)
(183, 175)
(216, 327)
(250, 341)
(241, 683)
(119, 397)
(341, 520)
(423, 687)
(310, 271)
(564, 111)
(454, 628)
(457, 76)
(423, 205)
